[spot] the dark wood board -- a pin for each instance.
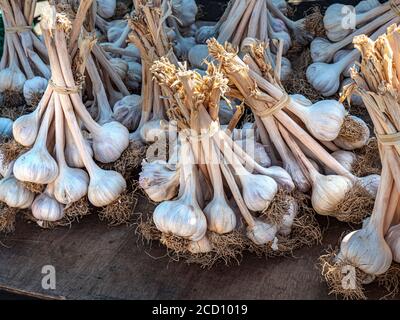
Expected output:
(94, 261)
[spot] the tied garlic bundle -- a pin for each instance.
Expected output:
(373, 248)
(59, 149)
(24, 65)
(148, 34)
(257, 84)
(190, 186)
(323, 74)
(257, 19)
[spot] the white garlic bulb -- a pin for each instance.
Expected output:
(105, 187)
(366, 5)
(328, 192)
(201, 246)
(206, 32)
(72, 155)
(256, 151)
(152, 131)
(46, 208)
(393, 240)
(182, 46)
(6, 126)
(286, 69)
(26, 127)
(34, 89)
(320, 50)
(359, 141)
(261, 232)
(128, 111)
(185, 11)
(106, 8)
(323, 119)
(14, 194)
(70, 185)
(12, 79)
(110, 141)
(345, 158)
(133, 53)
(198, 55)
(134, 71)
(258, 191)
(370, 184)
(367, 249)
(159, 181)
(120, 66)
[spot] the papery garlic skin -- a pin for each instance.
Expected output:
(393, 240)
(370, 184)
(14, 194)
(201, 246)
(261, 232)
(319, 49)
(105, 187)
(158, 181)
(324, 78)
(70, 185)
(367, 250)
(12, 79)
(204, 33)
(221, 218)
(366, 5)
(286, 69)
(26, 128)
(110, 142)
(106, 8)
(134, 72)
(328, 192)
(72, 155)
(46, 208)
(258, 191)
(6, 126)
(345, 158)
(34, 89)
(128, 111)
(36, 166)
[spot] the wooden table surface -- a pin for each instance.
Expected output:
(94, 261)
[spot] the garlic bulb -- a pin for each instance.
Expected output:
(105, 186)
(12, 79)
(128, 111)
(115, 31)
(345, 158)
(152, 131)
(37, 165)
(370, 184)
(132, 53)
(220, 217)
(323, 119)
(393, 240)
(286, 69)
(159, 181)
(258, 191)
(110, 141)
(46, 208)
(183, 216)
(262, 232)
(197, 55)
(106, 8)
(26, 127)
(72, 155)
(206, 32)
(355, 98)
(183, 45)
(357, 141)
(134, 71)
(328, 192)
(334, 18)
(6, 126)
(120, 66)
(320, 49)
(34, 89)
(70, 185)
(14, 194)
(256, 151)
(201, 246)
(185, 11)
(367, 249)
